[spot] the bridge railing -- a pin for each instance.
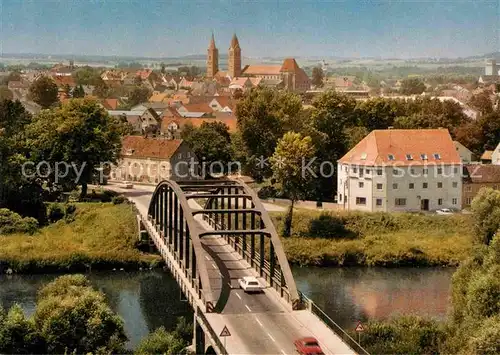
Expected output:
(330, 323)
(212, 332)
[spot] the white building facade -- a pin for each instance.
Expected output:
(377, 176)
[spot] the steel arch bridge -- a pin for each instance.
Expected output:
(181, 212)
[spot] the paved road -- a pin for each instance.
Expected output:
(259, 323)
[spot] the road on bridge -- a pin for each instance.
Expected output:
(258, 323)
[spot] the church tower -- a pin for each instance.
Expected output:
(212, 59)
(234, 58)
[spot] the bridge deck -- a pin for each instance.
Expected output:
(258, 323)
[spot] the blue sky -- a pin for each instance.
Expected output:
(158, 28)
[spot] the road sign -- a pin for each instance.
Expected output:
(225, 332)
(360, 328)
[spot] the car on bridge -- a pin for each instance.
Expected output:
(250, 284)
(308, 346)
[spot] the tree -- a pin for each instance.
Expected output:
(67, 90)
(482, 102)
(211, 143)
(137, 80)
(80, 132)
(18, 334)
(138, 94)
(379, 113)
(412, 86)
(162, 70)
(87, 76)
(5, 93)
(44, 92)
(78, 92)
(355, 135)
(263, 116)
(101, 90)
(13, 76)
(292, 153)
(161, 342)
(481, 134)
(317, 77)
(70, 315)
(486, 210)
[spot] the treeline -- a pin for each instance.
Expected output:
(72, 317)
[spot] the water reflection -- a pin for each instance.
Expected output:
(145, 300)
(352, 294)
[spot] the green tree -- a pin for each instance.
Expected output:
(412, 86)
(87, 76)
(486, 212)
(210, 143)
(481, 134)
(101, 90)
(292, 153)
(80, 132)
(379, 113)
(13, 76)
(71, 316)
(355, 135)
(5, 93)
(18, 334)
(138, 95)
(482, 102)
(161, 342)
(138, 80)
(264, 115)
(44, 92)
(78, 92)
(317, 77)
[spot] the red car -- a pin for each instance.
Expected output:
(308, 346)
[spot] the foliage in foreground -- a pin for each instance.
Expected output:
(163, 342)
(101, 236)
(70, 317)
(11, 222)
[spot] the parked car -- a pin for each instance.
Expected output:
(250, 284)
(127, 185)
(444, 211)
(308, 346)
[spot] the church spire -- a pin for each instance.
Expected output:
(234, 41)
(212, 41)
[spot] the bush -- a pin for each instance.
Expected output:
(267, 191)
(55, 212)
(328, 226)
(161, 342)
(18, 334)
(11, 222)
(117, 200)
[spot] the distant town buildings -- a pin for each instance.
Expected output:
(491, 73)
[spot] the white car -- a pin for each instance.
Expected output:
(250, 284)
(444, 211)
(127, 185)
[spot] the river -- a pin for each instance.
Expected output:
(149, 299)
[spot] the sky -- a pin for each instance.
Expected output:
(265, 28)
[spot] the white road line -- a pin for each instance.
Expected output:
(270, 336)
(215, 266)
(238, 296)
(258, 321)
(249, 310)
(206, 256)
(283, 352)
(220, 273)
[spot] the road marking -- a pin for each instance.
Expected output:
(206, 256)
(249, 310)
(258, 321)
(270, 336)
(220, 273)
(283, 352)
(215, 266)
(238, 296)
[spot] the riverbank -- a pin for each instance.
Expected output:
(101, 236)
(376, 239)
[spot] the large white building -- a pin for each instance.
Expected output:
(401, 170)
(495, 156)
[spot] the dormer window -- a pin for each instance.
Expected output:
(409, 157)
(363, 156)
(423, 156)
(390, 156)
(437, 156)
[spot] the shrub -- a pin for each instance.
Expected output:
(267, 191)
(486, 211)
(161, 342)
(11, 222)
(486, 338)
(18, 334)
(328, 226)
(55, 212)
(117, 200)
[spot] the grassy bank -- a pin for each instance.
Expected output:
(102, 236)
(376, 239)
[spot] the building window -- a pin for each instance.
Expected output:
(454, 201)
(391, 157)
(360, 200)
(440, 171)
(379, 172)
(424, 185)
(411, 186)
(440, 185)
(354, 170)
(340, 198)
(440, 201)
(437, 156)
(409, 157)
(379, 186)
(367, 171)
(361, 184)
(423, 156)
(412, 171)
(395, 172)
(455, 184)
(468, 188)
(468, 201)
(179, 156)
(395, 186)
(378, 202)
(455, 170)
(400, 202)
(426, 171)
(363, 156)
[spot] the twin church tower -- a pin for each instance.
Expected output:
(234, 59)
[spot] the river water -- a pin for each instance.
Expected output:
(149, 299)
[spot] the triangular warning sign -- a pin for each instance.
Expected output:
(360, 328)
(225, 332)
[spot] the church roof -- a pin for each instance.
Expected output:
(262, 70)
(212, 42)
(234, 41)
(290, 65)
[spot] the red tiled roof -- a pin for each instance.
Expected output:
(290, 65)
(110, 104)
(141, 147)
(377, 146)
(198, 107)
(143, 74)
(64, 80)
(228, 119)
(487, 155)
(262, 70)
(482, 173)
